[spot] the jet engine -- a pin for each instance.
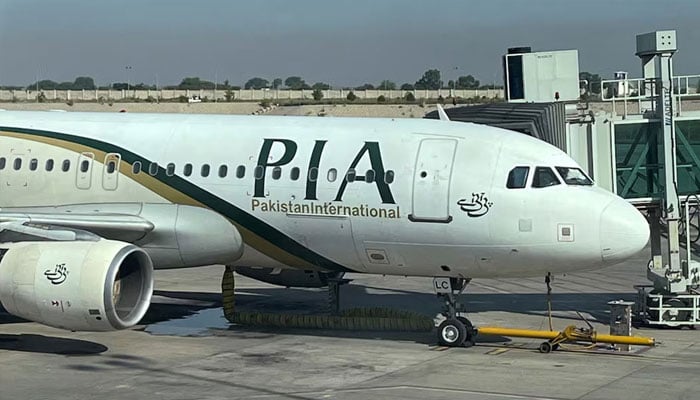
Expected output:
(290, 277)
(98, 285)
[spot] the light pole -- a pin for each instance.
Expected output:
(127, 69)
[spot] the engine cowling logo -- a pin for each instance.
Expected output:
(58, 275)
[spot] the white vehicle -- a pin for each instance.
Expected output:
(91, 202)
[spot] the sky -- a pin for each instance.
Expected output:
(341, 42)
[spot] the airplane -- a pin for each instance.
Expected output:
(91, 203)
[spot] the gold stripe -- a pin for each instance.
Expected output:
(174, 196)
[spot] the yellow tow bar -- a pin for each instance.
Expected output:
(570, 334)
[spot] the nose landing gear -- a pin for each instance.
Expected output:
(456, 330)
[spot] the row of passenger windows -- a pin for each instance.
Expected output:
(205, 170)
(545, 176)
(258, 172)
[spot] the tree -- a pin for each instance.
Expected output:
(407, 86)
(387, 85)
(43, 85)
(467, 82)
(351, 96)
(450, 84)
(295, 83)
(317, 94)
(119, 86)
(381, 99)
(84, 83)
(409, 97)
(366, 86)
(320, 86)
(256, 83)
(194, 83)
(276, 83)
(430, 80)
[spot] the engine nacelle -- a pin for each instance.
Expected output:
(289, 277)
(82, 285)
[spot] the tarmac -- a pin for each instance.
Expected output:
(185, 349)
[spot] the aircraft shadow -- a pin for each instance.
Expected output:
(50, 345)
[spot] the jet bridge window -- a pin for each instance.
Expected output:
(574, 176)
(3, 161)
(517, 177)
(544, 176)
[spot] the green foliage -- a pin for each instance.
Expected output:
(295, 83)
(182, 98)
(265, 103)
(467, 82)
(387, 85)
(351, 96)
(276, 83)
(320, 86)
(317, 94)
(430, 80)
(441, 99)
(256, 83)
(407, 86)
(194, 83)
(41, 97)
(381, 99)
(409, 97)
(229, 95)
(84, 83)
(366, 86)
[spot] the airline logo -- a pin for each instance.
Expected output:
(58, 275)
(478, 206)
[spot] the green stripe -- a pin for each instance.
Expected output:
(248, 221)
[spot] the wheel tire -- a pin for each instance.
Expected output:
(452, 333)
(545, 347)
(469, 339)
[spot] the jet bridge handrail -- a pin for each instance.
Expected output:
(641, 89)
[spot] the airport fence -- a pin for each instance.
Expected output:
(235, 95)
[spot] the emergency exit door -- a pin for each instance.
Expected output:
(431, 181)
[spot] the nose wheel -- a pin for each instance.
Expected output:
(456, 330)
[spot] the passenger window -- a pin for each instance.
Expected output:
(276, 173)
(389, 177)
(259, 172)
(517, 178)
(84, 166)
(240, 171)
(544, 176)
(294, 173)
(153, 169)
(111, 166)
(136, 167)
(223, 171)
(187, 170)
(332, 175)
(369, 176)
(18, 164)
(313, 174)
(66, 166)
(350, 177)
(170, 169)
(205, 170)
(49, 165)
(3, 161)
(33, 164)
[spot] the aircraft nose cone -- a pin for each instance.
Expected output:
(623, 231)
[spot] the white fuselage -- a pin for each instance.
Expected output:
(383, 196)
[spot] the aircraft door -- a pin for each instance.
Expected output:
(431, 180)
(110, 171)
(83, 178)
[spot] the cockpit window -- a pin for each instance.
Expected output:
(574, 176)
(544, 176)
(517, 178)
